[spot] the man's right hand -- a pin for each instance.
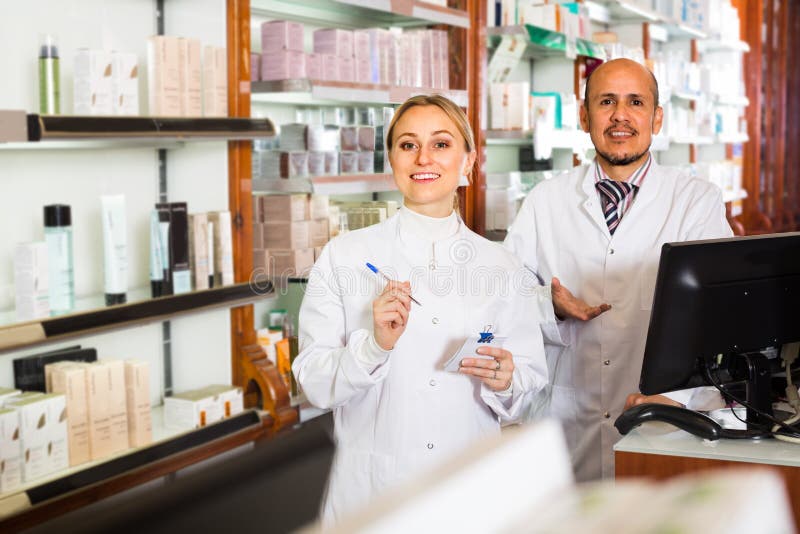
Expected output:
(390, 313)
(567, 305)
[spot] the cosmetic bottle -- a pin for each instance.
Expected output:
(49, 77)
(58, 236)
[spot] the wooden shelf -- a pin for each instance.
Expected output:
(362, 13)
(43, 128)
(322, 93)
(345, 184)
(98, 319)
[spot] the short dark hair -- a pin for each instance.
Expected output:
(653, 87)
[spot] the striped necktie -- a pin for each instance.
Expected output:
(614, 193)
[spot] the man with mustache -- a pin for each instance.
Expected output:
(599, 229)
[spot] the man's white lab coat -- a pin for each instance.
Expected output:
(398, 413)
(560, 231)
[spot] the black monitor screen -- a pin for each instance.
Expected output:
(720, 297)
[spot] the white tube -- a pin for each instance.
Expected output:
(115, 248)
(210, 241)
(156, 257)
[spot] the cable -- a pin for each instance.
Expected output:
(789, 353)
(793, 432)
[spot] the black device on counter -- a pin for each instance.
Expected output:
(722, 311)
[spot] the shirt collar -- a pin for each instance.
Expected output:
(636, 178)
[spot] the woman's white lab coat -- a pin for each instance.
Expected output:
(398, 413)
(560, 231)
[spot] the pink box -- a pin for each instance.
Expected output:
(283, 65)
(334, 41)
(313, 67)
(363, 71)
(255, 67)
(347, 69)
(362, 49)
(329, 67)
(281, 35)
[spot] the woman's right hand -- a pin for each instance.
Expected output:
(390, 313)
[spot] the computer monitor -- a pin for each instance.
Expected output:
(720, 310)
(277, 486)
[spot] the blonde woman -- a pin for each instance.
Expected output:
(374, 351)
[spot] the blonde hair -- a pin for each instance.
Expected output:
(455, 113)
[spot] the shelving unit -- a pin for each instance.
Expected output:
(342, 184)
(544, 43)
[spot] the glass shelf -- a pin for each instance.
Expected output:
(543, 43)
(344, 184)
(166, 441)
(362, 13)
(93, 317)
(716, 45)
(325, 93)
(621, 11)
(733, 138)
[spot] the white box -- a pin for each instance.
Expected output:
(125, 83)
(57, 441)
(190, 77)
(163, 76)
(230, 398)
(10, 451)
(31, 281)
(223, 247)
(215, 82)
(281, 35)
(510, 106)
(92, 86)
(198, 249)
(192, 409)
(33, 434)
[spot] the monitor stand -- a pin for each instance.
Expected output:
(754, 371)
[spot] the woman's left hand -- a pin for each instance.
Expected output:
(496, 373)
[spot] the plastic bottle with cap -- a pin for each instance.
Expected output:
(58, 236)
(49, 77)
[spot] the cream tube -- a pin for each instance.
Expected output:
(156, 257)
(210, 238)
(115, 249)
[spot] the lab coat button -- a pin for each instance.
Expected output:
(432, 383)
(607, 362)
(611, 251)
(435, 320)
(430, 445)
(606, 415)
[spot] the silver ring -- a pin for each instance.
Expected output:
(495, 375)
(497, 367)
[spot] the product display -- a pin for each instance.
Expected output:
(31, 292)
(115, 249)
(60, 280)
(49, 77)
(29, 371)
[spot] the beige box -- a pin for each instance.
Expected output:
(10, 451)
(190, 80)
(284, 207)
(284, 262)
(118, 405)
(198, 249)
(57, 434)
(97, 397)
(258, 235)
(319, 232)
(192, 409)
(319, 206)
(215, 82)
(33, 434)
(230, 398)
(92, 83)
(70, 380)
(13, 126)
(125, 83)
(163, 76)
(259, 261)
(223, 247)
(137, 388)
(289, 234)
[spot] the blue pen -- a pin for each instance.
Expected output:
(376, 271)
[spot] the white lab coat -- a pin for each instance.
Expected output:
(397, 417)
(560, 231)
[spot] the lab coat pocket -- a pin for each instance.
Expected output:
(357, 476)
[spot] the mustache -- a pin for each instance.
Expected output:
(624, 127)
